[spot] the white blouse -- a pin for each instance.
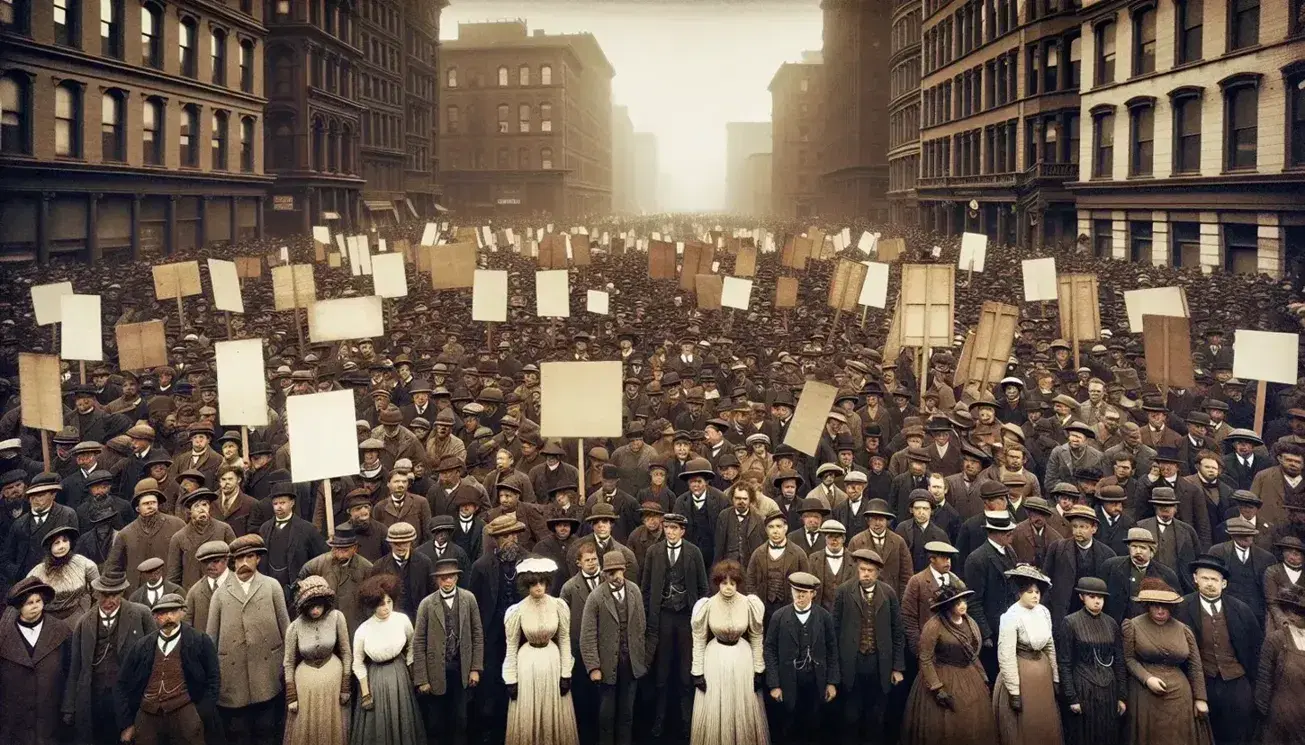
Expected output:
(1029, 628)
(381, 641)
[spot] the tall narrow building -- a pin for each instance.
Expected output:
(743, 139)
(647, 173)
(623, 189)
(904, 114)
(795, 121)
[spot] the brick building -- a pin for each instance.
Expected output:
(129, 129)
(1194, 145)
(854, 143)
(904, 113)
(527, 121)
(1000, 121)
(795, 121)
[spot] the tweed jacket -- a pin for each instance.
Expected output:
(199, 598)
(134, 544)
(183, 568)
(897, 569)
(830, 581)
(134, 623)
(249, 633)
(916, 610)
(849, 610)
(429, 639)
(600, 632)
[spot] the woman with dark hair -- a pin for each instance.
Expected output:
(386, 710)
(1024, 695)
(1167, 693)
(949, 701)
(34, 662)
(317, 666)
(1282, 673)
(537, 668)
(69, 573)
(727, 708)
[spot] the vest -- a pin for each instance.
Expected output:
(776, 577)
(674, 598)
(166, 691)
(278, 553)
(1166, 551)
(623, 620)
(867, 643)
(1243, 582)
(105, 661)
(803, 661)
(1217, 657)
(452, 653)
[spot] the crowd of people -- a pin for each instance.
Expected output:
(1072, 554)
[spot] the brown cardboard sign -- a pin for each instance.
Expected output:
(141, 346)
(453, 266)
(845, 285)
(795, 253)
(745, 262)
(891, 249)
(927, 304)
(580, 251)
(990, 346)
(249, 267)
(39, 391)
(293, 286)
(177, 280)
(893, 342)
(661, 260)
(708, 288)
(334, 260)
(786, 292)
(1167, 342)
(1080, 311)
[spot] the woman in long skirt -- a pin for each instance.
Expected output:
(1282, 673)
(1166, 694)
(1093, 681)
(727, 708)
(386, 711)
(949, 701)
(1024, 696)
(34, 660)
(317, 668)
(537, 669)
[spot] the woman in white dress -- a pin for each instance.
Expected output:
(727, 708)
(537, 668)
(1024, 696)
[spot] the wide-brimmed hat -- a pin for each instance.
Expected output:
(1155, 591)
(1163, 496)
(998, 520)
(193, 475)
(1027, 572)
(447, 566)
(813, 504)
(1081, 428)
(1291, 595)
(207, 495)
(71, 532)
(1289, 541)
(879, 508)
(26, 586)
(601, 511)
(1247, 435)
(111, 583)
(949, 595)
(783, 476)
(506, 525)
(697, 467)
(44, 482)
(169, 602)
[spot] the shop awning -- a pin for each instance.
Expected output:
(378, 205)
(440, 208)
(411, 209)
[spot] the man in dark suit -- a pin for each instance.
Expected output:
(1246, 505)
(1124, 574)
(985, 573)
(25, 547)
(1205, 496)
(469, 530)
(415, 572)
(1246, 459)
(1071, 559)
(1113, 521)
(448, 616)
(701, 505)
(739, 529)
(973, 532)
(1176, 541)
(612, 636)
(920, 529)
(493, 582)
(1246, 563)
(674, 579)
(871, 647)
(441, 546)
(915, 477)
(575, 593)
(1229, 636)
(802, 662)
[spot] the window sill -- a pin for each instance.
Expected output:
(1141, 176)
(1239, 171)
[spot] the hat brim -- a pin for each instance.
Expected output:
(962, 595)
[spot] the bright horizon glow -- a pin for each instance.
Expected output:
(684, 69)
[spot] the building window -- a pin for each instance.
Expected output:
(283, 8)
(186, 36)
(545, 117)
(523, 75)
(1241, 114)
(546, 75)
(1186, 238)
(504, 159)
(1105, 72)
(152, 131)
(67, 121)
(1072, 127)
(523, 117)
(1190, 17)
(1187, 133)
(1144, 41)
(1103, 140)
(1241, 248)
(219, 141)
(247, 66)
(151, 36)
(13, 14)
(1296, 119)
(283, 72)
(523, 159)
(546, 158)
(66, 26)
(188, 139)
(218, 41)
(1243, 24)
(1103, 239)
(111, 28)
(804, 85)
(502, 77)
(112, 145)
(451, 77)
(453, 120)
(1051, 65)
(15, 116)
(1139, 240)
(1141, 126)
(1075, 62)
(503, 113)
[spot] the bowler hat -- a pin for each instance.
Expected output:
(1092, 586)
(111, 583)
(344, 537)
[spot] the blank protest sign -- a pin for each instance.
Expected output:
(580, 399)
(1154, 301)
(225, 280)
(1266, 355)
(389, 275)
(79, 329)
(974, 251)
(552, 293)
(598, 301)
(241, 382)
(736, 293)
(323, 435)
(489, 295)
(809, 418)
(45, 301)
(874, 291)
(1040, 279)
(346, 318)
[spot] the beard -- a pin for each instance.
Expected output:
(509, 554)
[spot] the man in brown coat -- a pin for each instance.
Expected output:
(234, 507)
(771, 563)
(1280, 484)
(200, 457)
(831, 564)
(213, 556)
(890, 547)
(1033, 536)
(739, 529)
(146, 537)
(401, 506)
(183, 568)
(923, 587)
(344, 570)
(447, 616)
(247, 624)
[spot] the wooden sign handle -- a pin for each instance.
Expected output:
(583, 486)
(45, 449)
(330, 508)
(1261, 391)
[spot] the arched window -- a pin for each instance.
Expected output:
(247, 66)
(503, 113)
(151, 36)
(346, 149)
(186, 42)
(152, 131)
(111, 28)
(523, 75)
(523, 117)
(545, 117)
(546, 75)
(451, 77)
(68, 121)
(113, 146)
(546, 158)
(15, 116)
(502, 76)
(504, 159)
(319, 144)
(218, 50)
(188, 138)
(219, 140)
(283, 72)
(453, 120)
(247, 144)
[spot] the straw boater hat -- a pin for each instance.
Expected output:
(1155, 591)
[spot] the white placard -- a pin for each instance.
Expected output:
(339, 241)
(847, 236)
(80, 337)
(355, 258)
(225, 282)
(489, 295)
(46, 301)
(428, 234)
(1154, 301)
(715, 267)
(974, 250)
(365, 254)
(241, 382)
(380, 248)
(839, 245)
(598, 301)
(552, 294)
(1039, 279)
(569, 254)
(511, 237)
(874, 291)
(389, 275)
(1266, 355)
(285, 254)
(322, 234)
(735, 292)
(346, 318)
(679, 247)
(580, 399)
(866, 244)
(323, 436)
(936, 251)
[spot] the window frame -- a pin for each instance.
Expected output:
(1236, 19)
(1179, 99)
(1099, 114)
(1106, 29)
(525, 113)
(1140, 43)
(188, 54)
(71, 35)
(219, 140)
(112, 46)
(546, 159)
(1183, 53)
(1135, 235)
(22, 87)
(154, 153)
(118, 136)
(523, 75)
(545, 74)
(1233, 87)
(217, 55)
(151, 44)
(504, 79)
(188, 137)
(1293, 78)
(1141, 110)
(451, 77)
(73, 121)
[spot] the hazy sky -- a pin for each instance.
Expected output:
(683, 67)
